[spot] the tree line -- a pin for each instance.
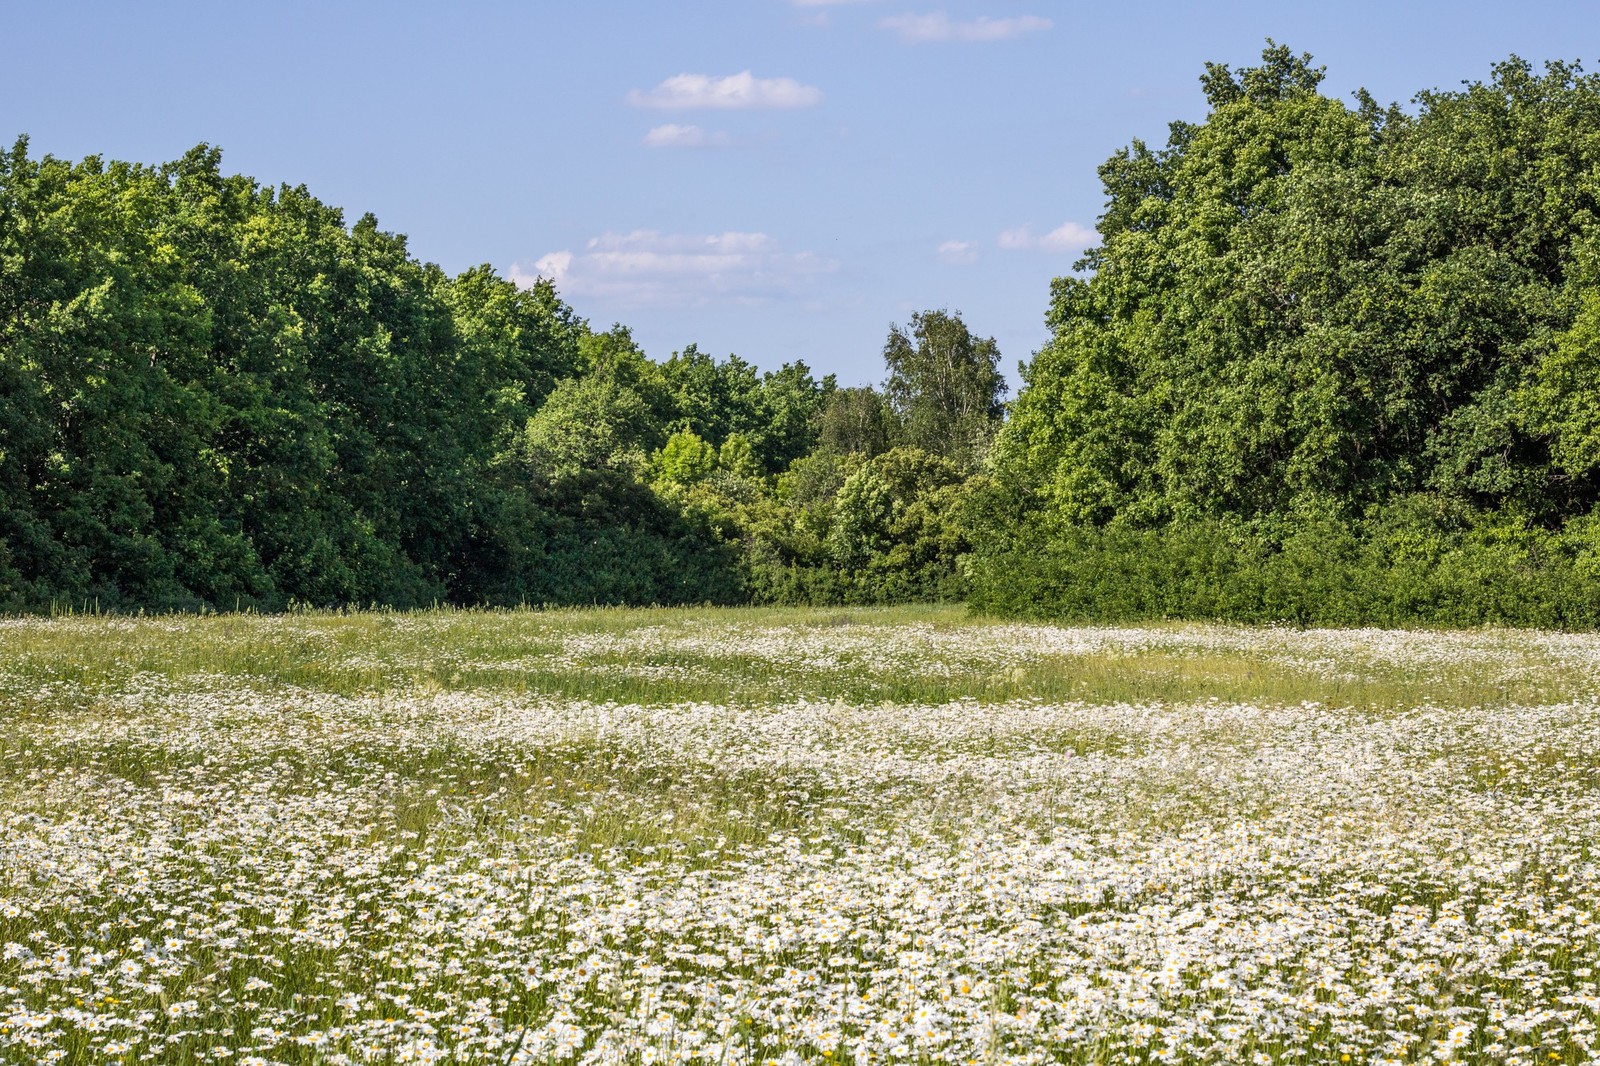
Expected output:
(1332, 361)
(219, 395)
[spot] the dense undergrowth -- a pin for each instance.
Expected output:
(1325, 574)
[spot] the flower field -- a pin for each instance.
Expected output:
(745, 836)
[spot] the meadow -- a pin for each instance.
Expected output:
(744, 836)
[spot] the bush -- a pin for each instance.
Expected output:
(1410, 564)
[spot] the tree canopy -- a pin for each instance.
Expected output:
(1307, 311)
(944, 385)
(1303, 307)
(215, 394)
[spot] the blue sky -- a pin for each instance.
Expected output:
(777, 178)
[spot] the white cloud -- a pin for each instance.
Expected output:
(673, 135)
(958, 252)
(742, 90)
(1067, 237)
(647, 267)
(553, 266)
(939, 27)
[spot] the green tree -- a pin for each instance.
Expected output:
(898, 529)
(220, 394)
(588, 428)
(737, 456)
(1300, 306)
(944, 385)
(685, 459)
(1304, 315)
(855, 421)
(713, 399)
(788, 419)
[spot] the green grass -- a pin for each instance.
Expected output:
(518, 652)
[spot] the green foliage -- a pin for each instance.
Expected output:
(1417, 562)
(1309, 330)
(589, 428)
(856, 421)
(944, 386)
(775, 413)
(1563, 396)
(788, 421)
(862, 514)
(685, 459)
(712, 399)
(896, 532)
(216, 394)
(737, 456)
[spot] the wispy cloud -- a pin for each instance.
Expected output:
(959, 252)
(647, 267)
(1067, 237)
(673, 135)
(743, 90)
(938, 26)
